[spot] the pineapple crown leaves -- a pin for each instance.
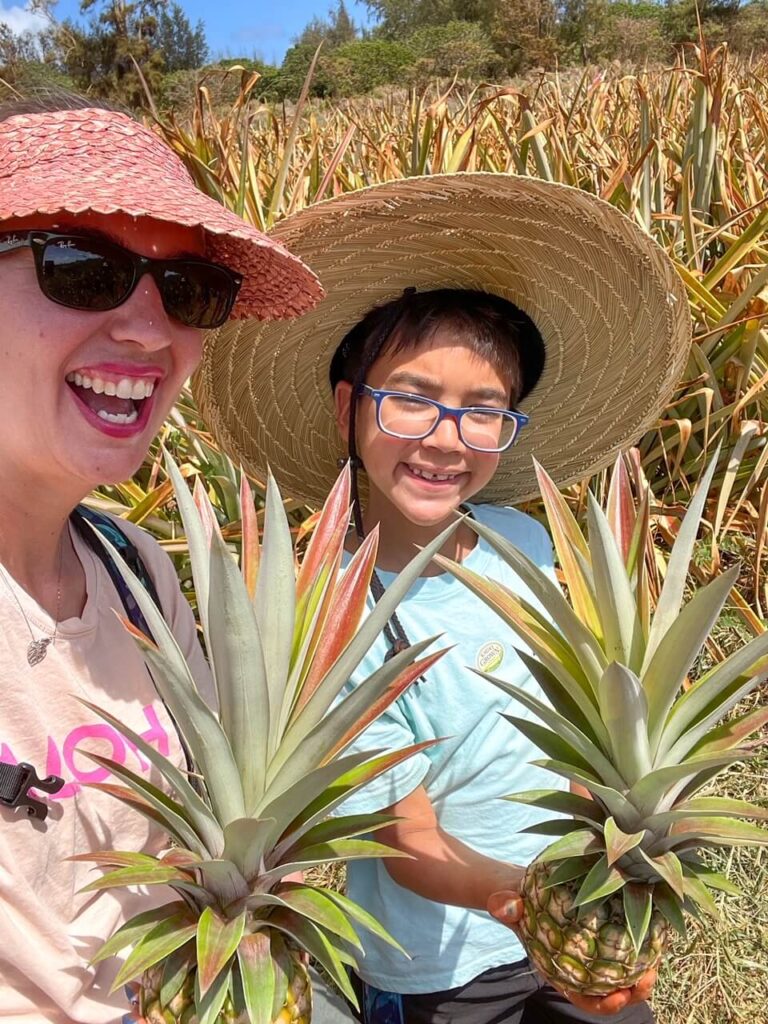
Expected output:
(617, 718)
(269, 759)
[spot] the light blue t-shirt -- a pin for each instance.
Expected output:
(465, 776)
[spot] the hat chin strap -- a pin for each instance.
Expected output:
(396, 636)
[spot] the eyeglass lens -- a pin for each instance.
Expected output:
(99, 276)
(413, 417)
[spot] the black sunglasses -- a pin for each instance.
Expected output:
(88, 272)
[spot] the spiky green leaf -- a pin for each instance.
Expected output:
(246, 841)
(357, 913)
(583, 643)
(602, 880)
(313, 939)
(236, 649)
(569, 870)
(623, 639)
(577, 844)
(315, 905)
(197, 811)
(275, 600)
(665, 673)
(562, 802)
(173, 815)
(638, 908)
(671, 907)
(668, 868)
(586, 750)
(217, 940)
(257, 973)
(618, 842)
(625, 714)
(208, 1004)
(158, 944)
(131, 933)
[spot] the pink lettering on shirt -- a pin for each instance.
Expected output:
(71, 763)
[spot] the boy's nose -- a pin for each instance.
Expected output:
(445, 436)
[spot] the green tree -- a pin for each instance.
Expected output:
(16, 49)
(398, 19)
(333, 31)
(525, 34)
(582, 23)
(100, 57)
(681, 19)
(364, 64)
(748, 32)
(294, 70)
(462, 48)
(341, 29)
(183, 47)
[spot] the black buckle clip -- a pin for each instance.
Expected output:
(15, 782)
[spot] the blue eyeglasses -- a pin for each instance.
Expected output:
(413, 417)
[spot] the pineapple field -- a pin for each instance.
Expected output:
(683, 150)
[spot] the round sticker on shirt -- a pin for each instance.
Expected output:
(490, 656)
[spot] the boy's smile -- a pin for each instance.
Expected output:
(416, 485)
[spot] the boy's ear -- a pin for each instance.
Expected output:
(342, 398)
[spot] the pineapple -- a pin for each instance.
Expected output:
(601, 900)
(269, 770)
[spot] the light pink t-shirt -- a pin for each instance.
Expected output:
(47, 930)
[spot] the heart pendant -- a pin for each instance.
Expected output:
(37, 650)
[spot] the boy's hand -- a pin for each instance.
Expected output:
(507, 907)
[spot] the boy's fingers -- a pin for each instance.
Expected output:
(506, 906)
(616, 1001)
(643, 989)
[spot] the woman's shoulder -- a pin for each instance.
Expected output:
(156, 562)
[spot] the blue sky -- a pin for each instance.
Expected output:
(237, 28)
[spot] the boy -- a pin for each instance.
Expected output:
(451, 300)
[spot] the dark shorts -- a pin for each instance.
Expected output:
(513, 994)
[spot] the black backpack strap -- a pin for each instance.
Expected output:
(83, 518)
(107, 527)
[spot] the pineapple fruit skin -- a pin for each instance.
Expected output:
(591, 954)
(297, 1006)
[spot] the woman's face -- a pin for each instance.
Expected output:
(59, 423)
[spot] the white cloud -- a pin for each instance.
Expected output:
(20, 19)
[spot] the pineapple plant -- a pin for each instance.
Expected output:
(269, 770)
(623, 725)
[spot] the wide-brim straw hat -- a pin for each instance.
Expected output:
(609, 305)
(73, 161)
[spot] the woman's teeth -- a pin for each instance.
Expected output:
(432, 476)
(118, 417)
(123, 388)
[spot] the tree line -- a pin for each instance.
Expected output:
(410, 43)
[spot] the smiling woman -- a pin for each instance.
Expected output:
(112, 265)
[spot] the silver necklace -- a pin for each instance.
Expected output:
(38, 646)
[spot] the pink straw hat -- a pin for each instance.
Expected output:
(102, 161)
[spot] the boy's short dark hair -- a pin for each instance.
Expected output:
(493, 327)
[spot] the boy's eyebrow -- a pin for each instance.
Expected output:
(426, 384)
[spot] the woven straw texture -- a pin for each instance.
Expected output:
(609, 305)
(77, 160)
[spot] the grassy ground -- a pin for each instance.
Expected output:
(720, 974)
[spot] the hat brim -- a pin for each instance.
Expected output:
(104, 162)
(609, 305)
